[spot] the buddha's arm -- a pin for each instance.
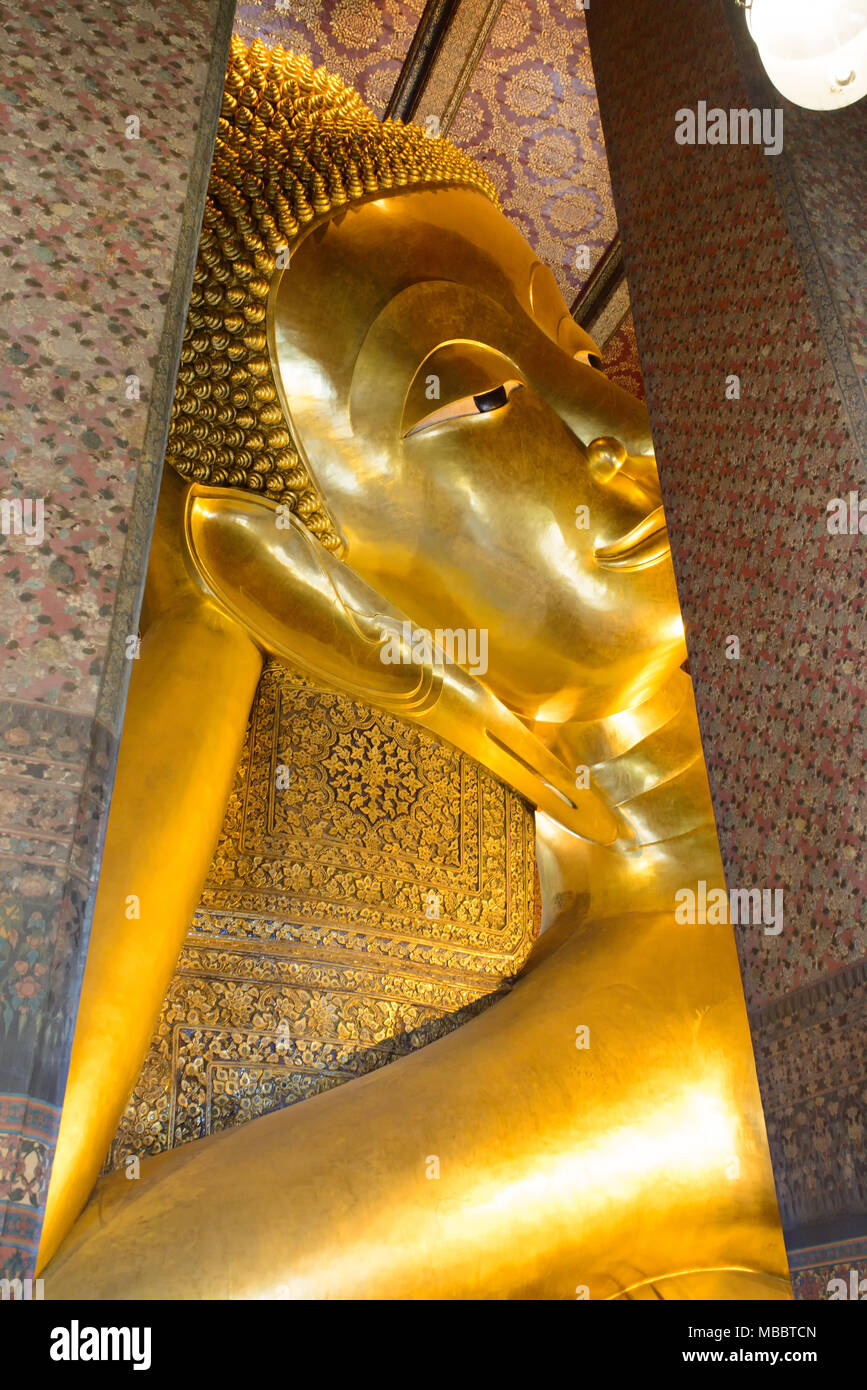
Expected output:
(223, 584)
(500, 1161)
(190, 693)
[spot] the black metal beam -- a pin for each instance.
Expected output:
(605, 280)
(423, 52)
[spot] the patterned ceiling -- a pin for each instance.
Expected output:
(530, 118)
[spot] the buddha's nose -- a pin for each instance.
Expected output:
(589, 404)
(607, 460)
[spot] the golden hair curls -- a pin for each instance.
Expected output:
(293, 146)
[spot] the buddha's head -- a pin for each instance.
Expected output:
(372, 343)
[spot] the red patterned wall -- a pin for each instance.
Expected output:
(720, 287)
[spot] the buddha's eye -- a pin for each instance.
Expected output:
(483, 404)
(592, 359)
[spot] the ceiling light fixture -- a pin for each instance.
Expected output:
(814, 51)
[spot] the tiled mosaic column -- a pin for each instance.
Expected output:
(742, 264)
(108, 117)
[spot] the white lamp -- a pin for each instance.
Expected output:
(814, 51)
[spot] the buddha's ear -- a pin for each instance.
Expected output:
(296, 600)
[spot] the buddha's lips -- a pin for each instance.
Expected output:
(644, 545)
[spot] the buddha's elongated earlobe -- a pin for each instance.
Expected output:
(302, 604)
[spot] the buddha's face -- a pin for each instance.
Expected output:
(445, 400)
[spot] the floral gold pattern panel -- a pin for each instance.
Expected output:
(530, 117)
(372, 889)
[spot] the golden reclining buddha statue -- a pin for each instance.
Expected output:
(397, 468)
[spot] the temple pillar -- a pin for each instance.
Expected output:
(109, 123)
(746, 277)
